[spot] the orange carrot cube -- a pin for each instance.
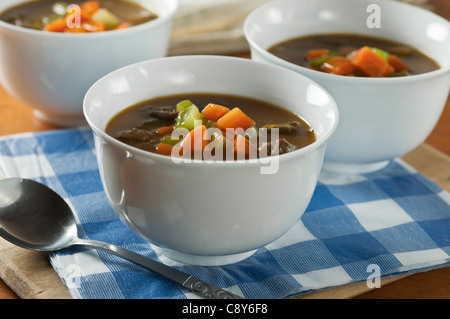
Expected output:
(338, 65)
(214, 112)
(371, 63)
(397, 64)
(58, 25)
(235, 119)
(312, 54)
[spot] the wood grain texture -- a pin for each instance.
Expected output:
(29, 273)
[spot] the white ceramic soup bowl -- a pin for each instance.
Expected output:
(51, 72)
(380, 118)
(214, 212)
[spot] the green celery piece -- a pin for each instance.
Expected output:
(106, 17)
(322, 59)
(188, 118)
(183, 105)
(209, 123)
(51, 18)
(350, 55)
(381, 53)
(169, 140)
(37, 24)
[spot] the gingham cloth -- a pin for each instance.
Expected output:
(391, 222)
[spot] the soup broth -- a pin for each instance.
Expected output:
(144, 125)
(114, 14)
(344, 46)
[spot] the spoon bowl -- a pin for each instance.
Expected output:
(35, 217)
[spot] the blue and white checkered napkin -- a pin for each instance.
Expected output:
(393, 221)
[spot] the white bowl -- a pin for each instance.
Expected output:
(218, 212)
(51, 72)
(380, 118)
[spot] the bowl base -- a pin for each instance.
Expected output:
(352, 168)
(205, 260)
(60, 120)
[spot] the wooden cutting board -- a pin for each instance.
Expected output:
(30, 275)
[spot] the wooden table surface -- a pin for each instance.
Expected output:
(434, 284)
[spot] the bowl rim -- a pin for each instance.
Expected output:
(320, 140)
(95, 35)
(328, 76)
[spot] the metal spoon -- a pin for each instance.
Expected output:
(33, 216)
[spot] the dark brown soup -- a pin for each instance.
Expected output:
(86, 16)
(354, 55)
(249, 128)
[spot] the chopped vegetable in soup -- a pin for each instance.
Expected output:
(211, 126)
(77, 16)
(352, 55)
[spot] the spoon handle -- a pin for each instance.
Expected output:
(197, 286)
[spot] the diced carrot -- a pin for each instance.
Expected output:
(88, 8)
(243, 148)
(58, 25)
(164, 130)
(164, 149)
(371, 63)
(74, 14)
(195, 140)
(94, 26)
(235, 119)
(213, 112)
(397, 64)
(75, 30)
(338, 65)
(312, 54)
(123, 25)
